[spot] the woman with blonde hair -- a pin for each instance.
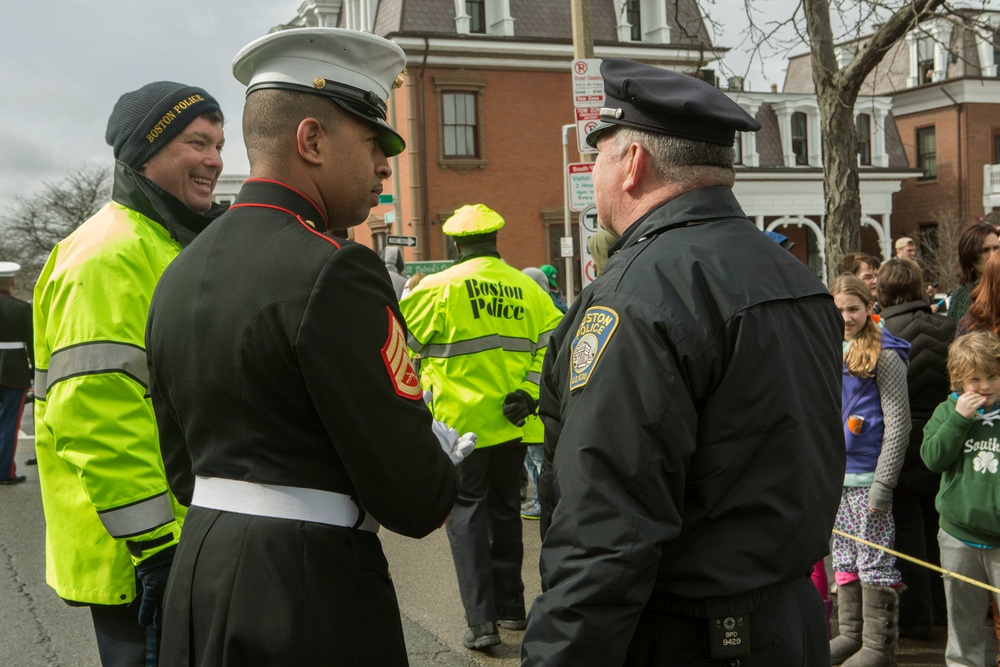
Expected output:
(876, 416)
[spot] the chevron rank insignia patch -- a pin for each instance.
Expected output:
(591, 339)
(397, 362)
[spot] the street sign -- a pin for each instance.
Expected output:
(587, 119)
(427, 267)
(588, 85)
(385, 199)
(581, 185)
(389, 217)
(588, 227)
(409, 241)
(566, 246)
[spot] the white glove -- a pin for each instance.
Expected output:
(455, 446)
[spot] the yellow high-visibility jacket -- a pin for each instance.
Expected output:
(101, 474)
(480, 329)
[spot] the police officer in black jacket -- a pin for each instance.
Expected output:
(691, 397)
(291, 419)
(16, 364)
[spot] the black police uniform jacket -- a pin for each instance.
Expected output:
(15, 327)
(693, 445)
(274, 358)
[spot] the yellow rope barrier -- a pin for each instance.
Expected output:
(955, 575)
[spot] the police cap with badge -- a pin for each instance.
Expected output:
(356, 70)
(657, 100)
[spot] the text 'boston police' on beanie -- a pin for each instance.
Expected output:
(145, 120)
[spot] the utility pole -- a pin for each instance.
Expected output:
(583, 34)
(583, 47)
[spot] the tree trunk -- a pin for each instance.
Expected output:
(841, 188)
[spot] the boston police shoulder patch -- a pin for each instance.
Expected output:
(591, 338)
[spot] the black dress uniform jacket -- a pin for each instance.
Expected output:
(15, 327)
(703, 457)
(266, 344)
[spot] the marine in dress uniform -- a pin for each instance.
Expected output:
(691, 401)
(15, 368)
(291, 419)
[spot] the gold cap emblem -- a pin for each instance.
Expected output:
(319, 83)
(399, 79)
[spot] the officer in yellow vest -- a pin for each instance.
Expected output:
(481, 328)
(111, 523)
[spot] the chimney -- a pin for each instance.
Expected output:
(774, 87)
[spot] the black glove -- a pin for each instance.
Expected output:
(153, 573)
(517, 405)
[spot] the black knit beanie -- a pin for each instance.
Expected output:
(145, 120)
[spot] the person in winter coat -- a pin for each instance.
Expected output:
(960, 441)
(977, 243)
(693, 461)
(907, 315)
(393, 258)
(876, 416)
(112, 526)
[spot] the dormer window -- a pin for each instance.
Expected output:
(634, 18)
(642, 21)
(800, 138)
(988, 44)
(929, 52)
(484, 17)
(476, 10)
(925, 60)
(864, 125)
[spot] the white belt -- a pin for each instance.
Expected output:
(280, 502)
(12, 346)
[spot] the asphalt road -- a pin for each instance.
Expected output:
(38, 629)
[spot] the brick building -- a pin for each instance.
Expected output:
(487, 91)
(942, 80)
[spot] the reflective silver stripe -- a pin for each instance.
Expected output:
(414, 344)
(92, 358)
(13, 346)
(138, 518)
(491, 342)
(41, 380)
(280, 502)
(534, 378)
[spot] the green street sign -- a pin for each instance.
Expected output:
(385, 199)
(427, 267)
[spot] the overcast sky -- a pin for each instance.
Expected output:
(64, 63)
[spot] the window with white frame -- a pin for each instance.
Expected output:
(643, 21)
(798, 125)
(930, 52)
(484, 17)
(864, 127)
(800, 138)
(925, 59)
(477, 16)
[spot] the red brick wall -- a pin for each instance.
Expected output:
(964, 144)
(523, 175)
